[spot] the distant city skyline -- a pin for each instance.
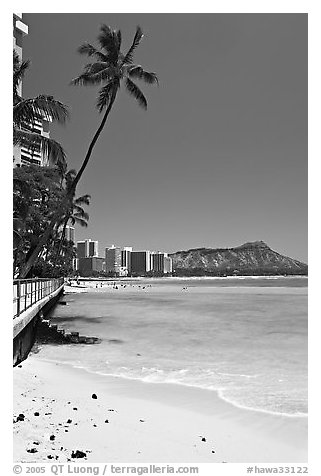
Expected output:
(121, 261)
(220, 156)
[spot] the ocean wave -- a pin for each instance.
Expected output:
(155, 375)
(229, 400)
(158, 378)
(225, 374)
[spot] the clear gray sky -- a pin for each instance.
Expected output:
(220, 156)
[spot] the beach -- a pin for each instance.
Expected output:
(132, 398)
(140, 422)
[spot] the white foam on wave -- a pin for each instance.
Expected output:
(220, 393)
(225, 374)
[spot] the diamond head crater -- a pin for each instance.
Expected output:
(250, 259)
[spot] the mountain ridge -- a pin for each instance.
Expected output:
(251, 258)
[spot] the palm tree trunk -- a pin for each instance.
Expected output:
(60, 241)
(44, 238)
(92, 144)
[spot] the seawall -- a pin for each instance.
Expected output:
(25, 325)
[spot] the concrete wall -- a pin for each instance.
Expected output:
(25, 326)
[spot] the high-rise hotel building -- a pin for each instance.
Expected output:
(88, 261)
(140, 262)
(87, 249)
(126, 258)
(113, 259)
(22, 155)
(118, 260)
(161, 263)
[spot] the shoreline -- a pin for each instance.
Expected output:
(169, 385)
(160, 422)
(138, 278)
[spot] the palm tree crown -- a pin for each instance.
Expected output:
(110, 67)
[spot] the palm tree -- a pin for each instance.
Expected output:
(110, 68)
(74, 215)
(27, 111)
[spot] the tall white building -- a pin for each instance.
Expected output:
(22, 155)
(113, 259)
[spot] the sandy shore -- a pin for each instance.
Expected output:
(132, 421)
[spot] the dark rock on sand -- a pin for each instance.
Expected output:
(20, 417)
(69, 421)
(36, 414)
(32, 450)
(94, 396)
(52, 437)
(78, 454)
(106, 421)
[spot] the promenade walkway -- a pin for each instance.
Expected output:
(28, 292)
(31, 297)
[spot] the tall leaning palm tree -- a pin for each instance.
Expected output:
(27, 111)
(109, 69)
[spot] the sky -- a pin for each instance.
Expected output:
(220, 156)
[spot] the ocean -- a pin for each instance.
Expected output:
(243, 338)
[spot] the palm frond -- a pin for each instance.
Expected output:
(134, 90)
(98, 66)
(83, 200)
(109, 42)
(90, 50)
(92, 79)
(128, 58)
(140, 73)
(79, 221)
(41, 107)
(69, 177)
(19, 69)
(105, 94)
(80, 213)
(118, 34)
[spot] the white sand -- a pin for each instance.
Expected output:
(175, 419)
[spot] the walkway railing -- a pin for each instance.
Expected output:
(26, 292)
